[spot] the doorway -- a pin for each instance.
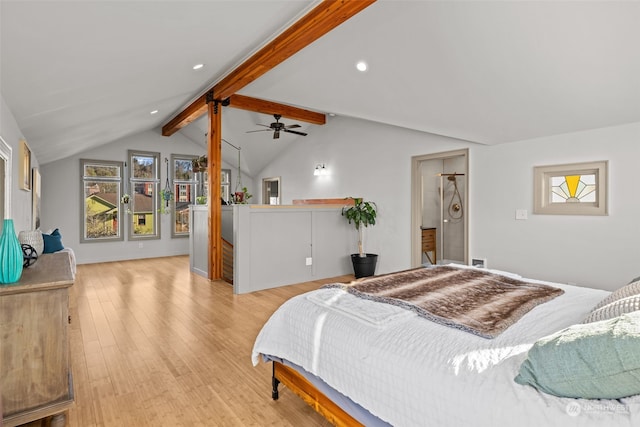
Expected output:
(5, 179)
(4, 214)
(439, 206)
(271, 191)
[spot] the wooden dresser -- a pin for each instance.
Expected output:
(429, 244)
(35, 368)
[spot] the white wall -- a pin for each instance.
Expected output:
(373, 161)
(272, 245)
(596, 251)
(20, 199)
(364, 159)
(61, 198)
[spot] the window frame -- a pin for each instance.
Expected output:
(543, 190)
(155, 203)
(119, 180)
(225, 185)
(176, 182)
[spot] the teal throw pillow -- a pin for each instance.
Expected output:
(52, 242)
(596, 360)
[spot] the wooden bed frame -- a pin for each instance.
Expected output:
(314, 398)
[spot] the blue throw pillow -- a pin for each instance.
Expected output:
(52, 242)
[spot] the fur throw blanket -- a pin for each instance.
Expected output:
(472, 300)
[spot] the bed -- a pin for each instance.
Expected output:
(361, 361)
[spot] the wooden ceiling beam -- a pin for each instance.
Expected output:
(319, 21)
(193, 112)
(268, 107)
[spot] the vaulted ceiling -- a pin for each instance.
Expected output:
(78, 75)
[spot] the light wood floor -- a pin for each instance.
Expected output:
(154, 345)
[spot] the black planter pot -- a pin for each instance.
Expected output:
(364, 266)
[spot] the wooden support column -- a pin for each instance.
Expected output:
(214, 170)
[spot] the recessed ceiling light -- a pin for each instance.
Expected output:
(198, 66)
(154, 112)
(361, 66)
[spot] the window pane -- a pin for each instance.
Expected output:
(101, 209)
(143, 208)
(573, 189)
(182, 169)
(184, 192)
(144, 186)
(143, 167)
(182, 217)
(98, 170)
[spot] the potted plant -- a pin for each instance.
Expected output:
(242, 197)
(362, 214)
(199, 164)
(166, 196)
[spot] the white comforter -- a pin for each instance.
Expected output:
(409, 371)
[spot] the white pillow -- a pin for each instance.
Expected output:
(633, 288)
(614, 309)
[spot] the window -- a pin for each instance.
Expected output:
(101, 213)
(184, 193)
(572, 189)
(225, 185)
(144, 204)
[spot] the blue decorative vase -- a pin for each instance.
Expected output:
(10, 254)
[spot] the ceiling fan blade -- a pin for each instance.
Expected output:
(276, 134)
(293, 126)
(259, 130)
(295, 131)
(260, 124)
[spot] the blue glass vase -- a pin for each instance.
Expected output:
(10, 254)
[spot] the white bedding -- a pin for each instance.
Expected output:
(409, 371)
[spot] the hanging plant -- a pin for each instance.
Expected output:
(243, 196)
(125, 199)
(200, 164)
(166, 195)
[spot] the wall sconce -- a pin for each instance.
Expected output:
(320, 170)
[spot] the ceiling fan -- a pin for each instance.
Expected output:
(276, 127)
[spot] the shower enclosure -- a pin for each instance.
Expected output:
(444, 187)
